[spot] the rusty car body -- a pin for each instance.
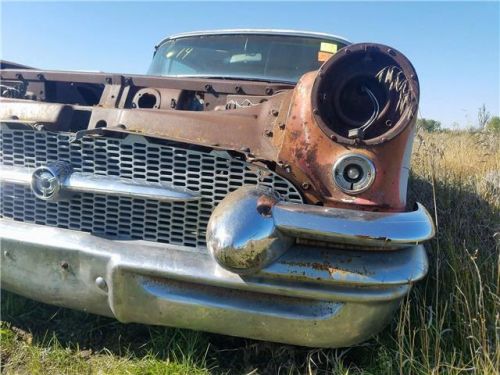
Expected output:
(265, 199)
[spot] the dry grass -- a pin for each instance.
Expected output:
(448, 325)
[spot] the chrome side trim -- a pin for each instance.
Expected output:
(382, 230)
(78, 182)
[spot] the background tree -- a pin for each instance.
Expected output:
(483, 116)
(494, 124)
(428, 124)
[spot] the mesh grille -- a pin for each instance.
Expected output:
(182, 223)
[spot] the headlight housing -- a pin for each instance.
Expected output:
(366, 93)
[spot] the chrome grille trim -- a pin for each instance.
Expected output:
(78, 182)
(210, 175)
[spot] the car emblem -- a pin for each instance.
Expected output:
(46, 181)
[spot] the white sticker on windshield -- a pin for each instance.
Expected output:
(328, 47)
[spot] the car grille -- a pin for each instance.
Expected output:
(212, 175)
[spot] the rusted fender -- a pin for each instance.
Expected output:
(310, 154)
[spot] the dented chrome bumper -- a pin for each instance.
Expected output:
(322, 297)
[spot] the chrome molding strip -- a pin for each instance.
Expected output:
(110, 185)
(15, 175)
(383, 230)
(78, 182)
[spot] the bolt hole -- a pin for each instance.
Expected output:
(101, 124)
(265, 205)
(264, 210)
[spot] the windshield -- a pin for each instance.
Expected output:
(264, 57)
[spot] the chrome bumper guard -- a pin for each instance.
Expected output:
(308, 296)
(251, 228)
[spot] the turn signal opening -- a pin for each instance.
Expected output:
(353, 173)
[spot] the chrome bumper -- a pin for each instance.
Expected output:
(308, 296)
(251, 228)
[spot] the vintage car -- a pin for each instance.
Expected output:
(253, 184)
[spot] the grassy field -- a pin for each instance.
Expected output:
(449, 324)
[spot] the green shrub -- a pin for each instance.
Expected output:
(428, 125)
(494, 124)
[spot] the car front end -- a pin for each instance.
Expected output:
(265, 208)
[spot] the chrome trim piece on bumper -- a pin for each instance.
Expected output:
(381, 230)
(78, 182)
(308, 296)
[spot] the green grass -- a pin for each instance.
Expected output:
(449, 324)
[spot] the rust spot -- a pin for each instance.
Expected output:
(330, 268)
(295, 135)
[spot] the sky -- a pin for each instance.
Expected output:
(454, 46)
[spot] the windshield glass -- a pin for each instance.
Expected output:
(264, 57)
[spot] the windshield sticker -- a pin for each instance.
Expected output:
(323, 56)
(328, 47)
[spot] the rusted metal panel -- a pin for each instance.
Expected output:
(309, 146)
(241, 129)
(310, 155)
(57, 115)
(193, 84)
(289, 131)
